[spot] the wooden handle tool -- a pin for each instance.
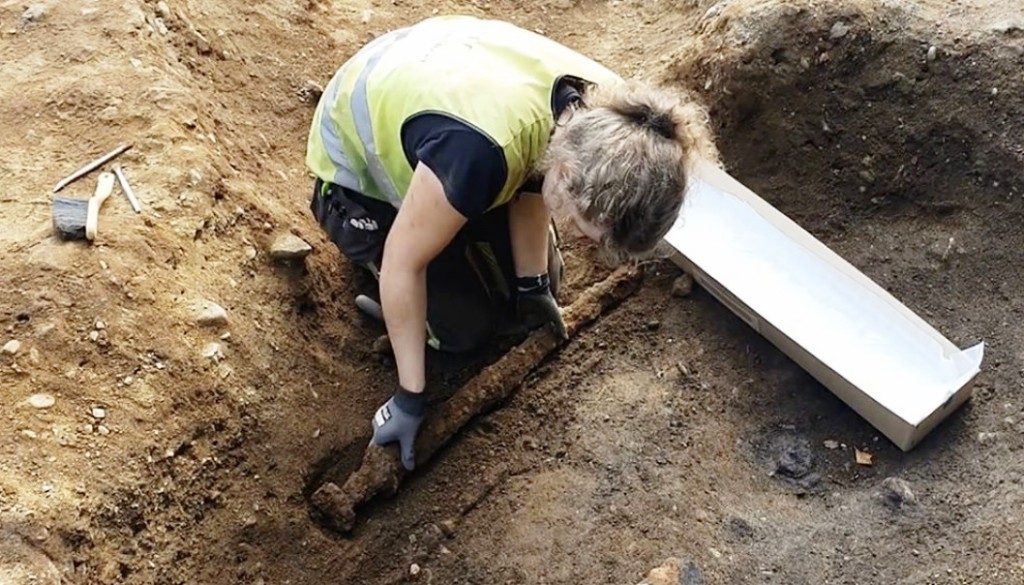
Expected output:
(104, 187)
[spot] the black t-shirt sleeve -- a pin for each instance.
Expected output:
(471, 167)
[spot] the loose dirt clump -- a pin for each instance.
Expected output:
(890, 130)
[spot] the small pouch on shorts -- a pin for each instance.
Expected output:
(358, 231)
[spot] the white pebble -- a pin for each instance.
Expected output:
(210, 314)
(839, 30)
(933, 53)
(212, 351)
(11, 347)
(102, 430)
(100, 325)
(98, 412)
(42, 400)
(289, 247)
(162, 10)
(414, 569)
(33, 13)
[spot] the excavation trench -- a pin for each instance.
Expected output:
(656, 432)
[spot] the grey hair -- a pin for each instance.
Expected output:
(623, 161)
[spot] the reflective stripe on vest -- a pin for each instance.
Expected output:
(360, 108)
(489, 75)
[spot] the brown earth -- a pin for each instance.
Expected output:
(659, 432)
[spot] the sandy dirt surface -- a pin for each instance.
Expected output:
(158, 457)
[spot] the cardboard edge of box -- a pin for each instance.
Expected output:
(903, 433)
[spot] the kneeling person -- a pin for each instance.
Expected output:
(439, 150)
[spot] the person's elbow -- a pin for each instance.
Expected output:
(400, 262)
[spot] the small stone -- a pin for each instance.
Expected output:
(102, 430)
(830, 444)
(47, 488)
(162, 10)
(100, 325)
(414, 569)
(210, 314)
(863, 458)
(250, 253)
(985, 438)
(839, 30)
(99, 413)
(33, 356)
(448, 527)
(289, 247)
(104, 265)
(33, 13)
(30, 434)
(160, 26)
(666, 574)
(896, 493)
(310, 92)
(213, 351)
(94, 335)
(653, 325)
(682, 286)
(11, 347)
(128, 380)
(42, 400)
(933, 53)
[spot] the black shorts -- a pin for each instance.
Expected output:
(470, 283)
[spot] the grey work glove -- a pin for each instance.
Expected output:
(537, 306)
(398, 420)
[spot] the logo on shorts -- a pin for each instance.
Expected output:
(365, 224)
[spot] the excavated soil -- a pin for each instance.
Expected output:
(668, 429)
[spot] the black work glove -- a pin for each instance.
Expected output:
(537, 306)
(398, 420)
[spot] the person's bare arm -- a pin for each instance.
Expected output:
(425, 224)
(528, 221)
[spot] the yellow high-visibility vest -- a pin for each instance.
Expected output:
(491, 75)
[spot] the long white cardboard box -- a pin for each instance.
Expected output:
(854, 337)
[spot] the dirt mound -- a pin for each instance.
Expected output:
(888, 129)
